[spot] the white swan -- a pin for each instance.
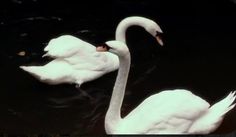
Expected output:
(168, 112)
(77, 61)
(72, 65)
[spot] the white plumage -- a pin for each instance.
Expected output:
(168, 112)
(76, 61)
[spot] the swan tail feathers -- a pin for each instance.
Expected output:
(35, 71)
(212, 119)
(225, 105)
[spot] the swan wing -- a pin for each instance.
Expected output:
(168, 112)
(80, 54)
(66, 46)
(54, 72)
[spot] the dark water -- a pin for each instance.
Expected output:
(199, 55)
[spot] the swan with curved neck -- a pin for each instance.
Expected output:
(76, 61)
(168, 112)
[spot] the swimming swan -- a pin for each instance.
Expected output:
(168, 112)
(76, 61)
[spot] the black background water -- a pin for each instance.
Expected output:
(199, 55)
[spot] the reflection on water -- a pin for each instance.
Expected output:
(28, 106)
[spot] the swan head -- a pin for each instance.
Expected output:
(116, 47)
(155, 30)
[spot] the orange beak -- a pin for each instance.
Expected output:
(159, 40)
(102, 48)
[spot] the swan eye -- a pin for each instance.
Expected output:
(158, 33)
(105, 46)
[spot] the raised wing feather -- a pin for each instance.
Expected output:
(66, 46)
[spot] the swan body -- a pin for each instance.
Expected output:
(168, 112)
(61, 71)
(75, 66)
(76, 61)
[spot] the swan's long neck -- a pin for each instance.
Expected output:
(113, 113)
(125, 24)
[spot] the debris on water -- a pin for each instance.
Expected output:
(21, 53)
